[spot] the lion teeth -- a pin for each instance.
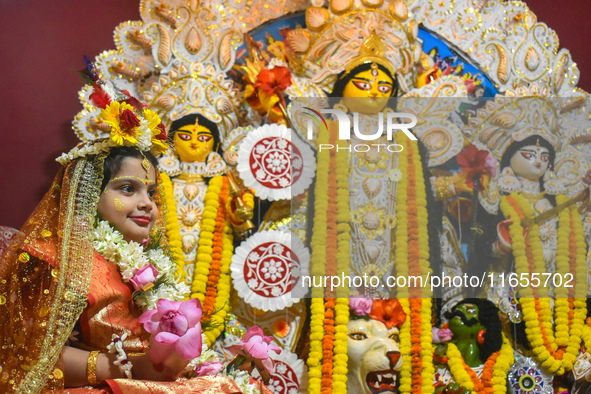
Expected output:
(388, 375)
(380, 378)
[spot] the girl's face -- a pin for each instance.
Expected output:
(128, 200)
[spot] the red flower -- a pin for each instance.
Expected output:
(162, 135)
(128, 120)
(266, 94)
(474, 162)
(389, 312)
(273, 82)
(135, 103)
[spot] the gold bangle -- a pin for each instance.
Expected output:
(91, 367)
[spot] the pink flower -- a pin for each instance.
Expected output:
(255, 345)
(174, 326)
(360, 306)
(144, 278)
(209, 369)
(441, 335)
(491, 164)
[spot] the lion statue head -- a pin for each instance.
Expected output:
(374, 352)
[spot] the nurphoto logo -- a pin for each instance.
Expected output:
(344, 122)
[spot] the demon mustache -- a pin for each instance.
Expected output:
(468, 323)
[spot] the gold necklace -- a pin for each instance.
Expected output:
(533, 198)
(190, 178)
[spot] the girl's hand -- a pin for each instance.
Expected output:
(169, 370)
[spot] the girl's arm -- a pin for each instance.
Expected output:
(76, 361)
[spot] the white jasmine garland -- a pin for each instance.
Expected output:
(145, 136)
(130, 256)
(116, 348)
(84, 151)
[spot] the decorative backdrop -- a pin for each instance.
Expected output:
(42, 44)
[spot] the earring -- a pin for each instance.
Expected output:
(553, 184)
(480, 337)
(508, 182)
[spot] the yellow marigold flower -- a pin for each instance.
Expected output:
(112, 116)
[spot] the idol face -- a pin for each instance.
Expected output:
(368, 91)
(465, 320)
(127, 202)
(374, 357)
(193, 143)
(530, 162)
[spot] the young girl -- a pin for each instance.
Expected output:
(86, 264)
(127, 203)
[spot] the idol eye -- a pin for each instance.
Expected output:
(362, 85)
(184, 136)
(384, 88)
(204, 137)
(545, 157)
(358, 336)
(394, 337)
(527, 155)
(151, 193)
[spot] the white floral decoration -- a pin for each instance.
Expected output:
(130, 256)
(116, 348)
(85, 150)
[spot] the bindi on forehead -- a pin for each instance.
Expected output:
(194, 129)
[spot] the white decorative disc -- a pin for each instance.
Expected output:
(275, 163)
(267, 267)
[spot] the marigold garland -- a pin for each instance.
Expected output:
(218, 239)
(211, 279)
(554, 344)
(341, 358)
(586, 334)
(343, 257)
(316, 335)
(205, 243)
(224, 285)
(173, 230)
(401, 255)
(494, 375)
(412, 258)
(317, 268)
(330, 244)
(327, 346)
